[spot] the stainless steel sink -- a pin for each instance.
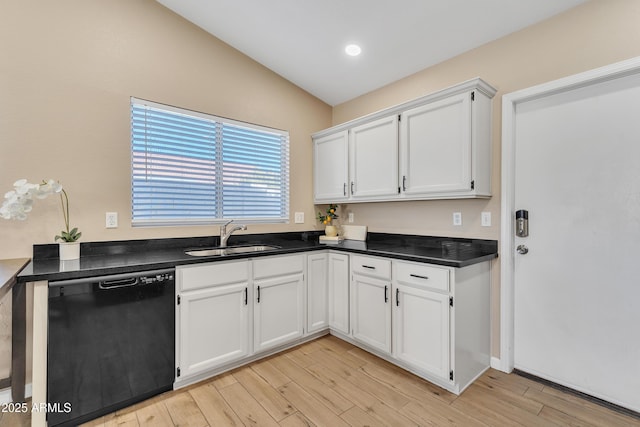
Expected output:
(230, 250)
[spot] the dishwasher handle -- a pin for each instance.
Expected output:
(120, 283)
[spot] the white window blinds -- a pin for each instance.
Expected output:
(193, 168)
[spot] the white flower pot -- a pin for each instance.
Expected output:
(69, 250)
(331, 231)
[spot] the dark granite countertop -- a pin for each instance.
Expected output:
(102, 258)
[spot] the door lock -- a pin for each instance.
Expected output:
(522, 249)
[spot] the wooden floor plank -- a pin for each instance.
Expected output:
(155, 414)
(555, 417)
(297, 420)
(215, 409)
(405, 383)
(223, 380)
(270, 373)
(512, 399)
(361, 398)
(501, 404)
(357, 417)
(128, 419)
(582, 411)
(246, 407)
(315, 410)
(184, 411)
(322, 392)
(270, 399)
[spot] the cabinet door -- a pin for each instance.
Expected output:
(214, 327)
(371, 312)
(421, 329)
(373, 153)
(330, 167)
(338, 282)
(277, 311)
(435, 147)
(317, 292)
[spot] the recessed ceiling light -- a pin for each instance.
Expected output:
(353, 50)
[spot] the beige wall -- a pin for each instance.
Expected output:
(66, 74)
(592, 35)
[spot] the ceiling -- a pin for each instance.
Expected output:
(304, 40)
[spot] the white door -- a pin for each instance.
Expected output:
(277, 311)
(435, 147)
(371, 312)
(373, 154)
(577, 293)
(317, 292)
(214, 327)
(331, 167)
(338, 282)
(421, 329)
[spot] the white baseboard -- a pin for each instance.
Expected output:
(5, 394)
(496, 363)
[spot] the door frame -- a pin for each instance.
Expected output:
(510, 101)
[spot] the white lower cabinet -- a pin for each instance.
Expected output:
(217, 302)
(370, 302)
(441, 321)
(431, 320)
(213, 316)
(278, 306)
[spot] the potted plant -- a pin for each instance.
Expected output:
(19, 202)
(330, 229)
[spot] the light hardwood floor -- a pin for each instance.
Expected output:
(329, 382)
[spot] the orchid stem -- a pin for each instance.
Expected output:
(64, 201)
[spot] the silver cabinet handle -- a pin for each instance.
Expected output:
(352, 191)
(370, 267)
(344, 189)
(417, 276)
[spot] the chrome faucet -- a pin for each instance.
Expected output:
(224, 234)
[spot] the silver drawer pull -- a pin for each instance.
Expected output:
(417, 276)
(369, 266)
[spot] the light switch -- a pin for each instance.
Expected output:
(299, 218)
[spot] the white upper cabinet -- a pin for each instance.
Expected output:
(373, 159)
(434, 147)
(331, 167)
(445, 148)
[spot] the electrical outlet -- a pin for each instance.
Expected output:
(485, 219)
(299, 218)
(111, 220)
(457, 218)
(350, 217)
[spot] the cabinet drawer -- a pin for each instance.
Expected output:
(277, 266)
(420, 275)
(213, 274)
(375, 267)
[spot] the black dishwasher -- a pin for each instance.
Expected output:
(111, 343)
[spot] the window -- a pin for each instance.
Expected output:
(193, 168)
